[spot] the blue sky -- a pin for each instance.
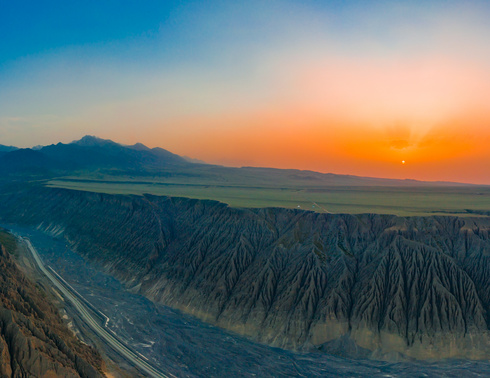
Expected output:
(33, 28)
(39, 27)
(158, 71)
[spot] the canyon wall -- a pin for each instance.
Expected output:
(34, 342)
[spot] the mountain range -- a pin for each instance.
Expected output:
(93, 155)
(88, 153)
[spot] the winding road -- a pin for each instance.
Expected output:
(105, 334)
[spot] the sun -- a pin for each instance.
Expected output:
(403, 161)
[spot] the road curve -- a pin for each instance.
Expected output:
(133, 357)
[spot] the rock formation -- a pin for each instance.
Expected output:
(418, 287)
(34, 342)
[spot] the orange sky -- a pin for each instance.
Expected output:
(361, 118)
(455, 150)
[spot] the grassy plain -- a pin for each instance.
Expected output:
(398, 200)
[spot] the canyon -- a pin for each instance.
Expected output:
(367, 285)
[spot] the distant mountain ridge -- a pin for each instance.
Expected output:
(93, 141)
(92, 154)
(88, 153)
(7, 148)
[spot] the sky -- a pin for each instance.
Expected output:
(397, 89)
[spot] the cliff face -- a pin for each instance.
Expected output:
(414, 286)
(33, 340)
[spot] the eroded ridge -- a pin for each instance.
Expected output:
(415, 286)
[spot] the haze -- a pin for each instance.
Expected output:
(343, 87)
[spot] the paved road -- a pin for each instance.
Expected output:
(137, 360)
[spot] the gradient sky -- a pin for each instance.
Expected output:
(353, 87)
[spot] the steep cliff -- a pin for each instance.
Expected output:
(33, 340)
(414, 286)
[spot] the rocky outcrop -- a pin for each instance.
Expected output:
(390, 286)
(33, 340)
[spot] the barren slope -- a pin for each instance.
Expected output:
(416, 286)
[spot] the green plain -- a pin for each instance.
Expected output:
(402, 201)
